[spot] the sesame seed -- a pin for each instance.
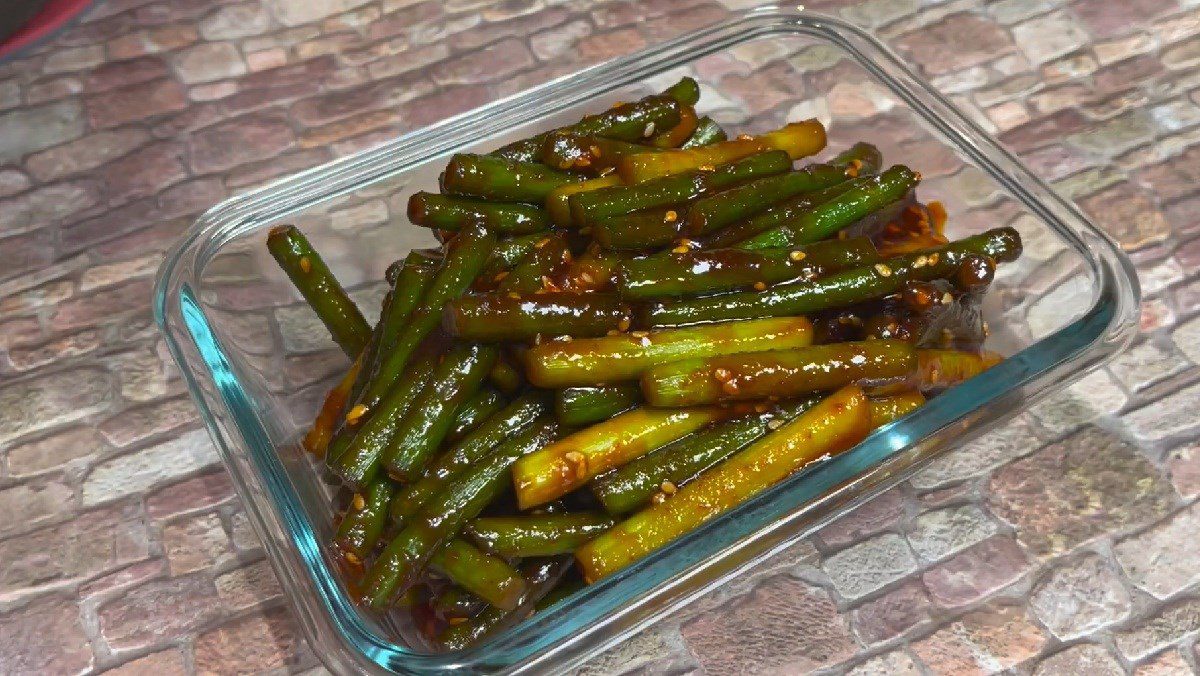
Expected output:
(774, 424)
(305, 264)
(575, 457)
(358, 411)
(797, 256)
(586, 277)
(933, 259)
(760, 286)
(358, 502)
(883, 270)
(668, 487)
(649, 130)
(921, 262)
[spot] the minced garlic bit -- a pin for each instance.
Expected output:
(565, 164)
(730, 387)
(947, 335)
(541, 242)
(744, 137)
(457, 620)
(947, 298)
(586, 277)
(618, 104)
(722, 375)
(623, 325)
(649, 130)
(761, 408)
(358, 502)
(513, 294)
(706, 167)
(933, 259)
(640, 334)
(934, 374)
(921, 262)
(987, 331)
(668, 487)
(658, 498)
(774, 424)
(358, 411)
(305, 264)
(797, 256)
(594, 150)
(583, 162)
(883, 270)
(670, 216)
(681, 249)
(352, 558)
(760, 286)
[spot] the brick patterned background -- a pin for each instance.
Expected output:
(1063, 543)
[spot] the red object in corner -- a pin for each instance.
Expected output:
(53, 16)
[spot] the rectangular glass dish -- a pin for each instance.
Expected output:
(258, 363)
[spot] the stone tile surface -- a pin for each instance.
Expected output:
(1062, 542)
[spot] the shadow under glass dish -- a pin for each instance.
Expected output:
(258, 362)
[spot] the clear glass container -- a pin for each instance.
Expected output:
(258, 363)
